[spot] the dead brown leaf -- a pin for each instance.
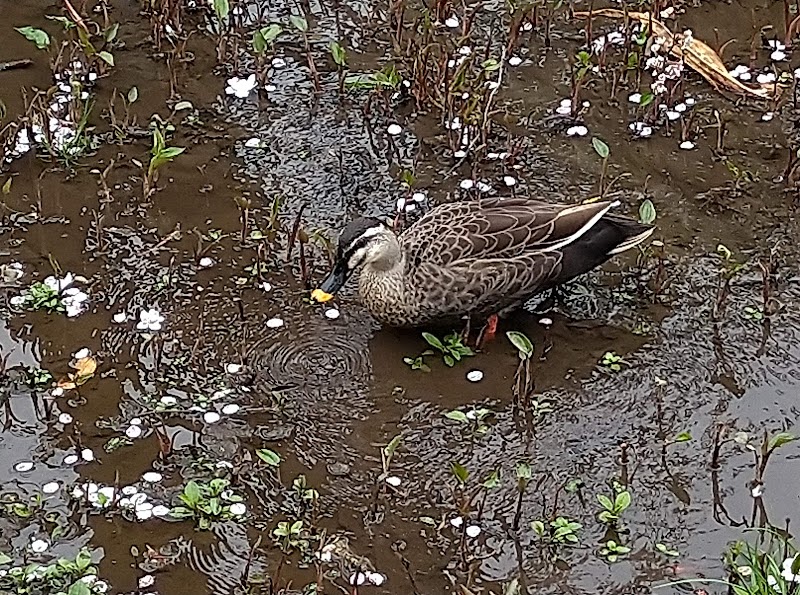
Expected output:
(697, 55)
(84, 370)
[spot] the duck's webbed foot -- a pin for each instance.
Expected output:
(488, 331)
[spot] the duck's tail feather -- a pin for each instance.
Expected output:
(640, 233)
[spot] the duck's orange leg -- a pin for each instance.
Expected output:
(488, 331)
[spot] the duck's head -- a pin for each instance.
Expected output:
(365, 240)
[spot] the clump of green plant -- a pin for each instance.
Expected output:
(12, 505)
(290, 536)
(207, 502)
(771, 569)
(612, 361)
(560, 531)
(263, 41)
(76, 576)
(38, 377)
(451, 347)
(613, 551)
(474, 419)
(160, 154)
(613, 509)
(40, 296)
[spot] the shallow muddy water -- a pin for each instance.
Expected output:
(242, 362)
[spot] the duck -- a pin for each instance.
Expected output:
(475, 258)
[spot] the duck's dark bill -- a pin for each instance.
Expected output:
(331, 284)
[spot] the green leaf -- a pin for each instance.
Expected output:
(192, 493)
(270, 457)
(107, 57)
(647, 212)
(622, 501)
(222, 8)
(133, 95)
(171, 152)
(111, 32)
(600, 148)
(461, 473)
(65, 22)
(271, 32)
(300, 23)
(646, 99)
(37, 36)
(259, 43)
(493, 480)
(683, 437)
(449, 360)
(5, 558)
(605, 502)
(338, 53)
(7, 186)
(390, 448)
(779, 440)
(79, 588)
(456, 415)
(523, 471)
(538, 527)
(433, 341)
(522, 343)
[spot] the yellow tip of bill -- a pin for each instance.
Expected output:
(321, 296)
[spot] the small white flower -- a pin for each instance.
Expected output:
(150, 320)
(152, 477)
(160, 510)
(206, 262)
(119, 317)
(745, 76)
(394, 129)
(680, 107)
(253, 143)
(71, 459)
(457, 522)
(775, 44)
(23, 466)
(39, 545)
(690, 101)
(465, 50)
(454, 124)
(452, 22)
(233, 368)
(466, 184)
(546, 321)
(358, 578)
(333, 313)
(564, 110)
(744, 570)
(460, 154)
(265, 286)
(129, 490)
(144, 513)
(687, 145)
(509, 180)
(787, 573)
(474, 375)
(483, 187)
(765, 78)
(393, 481)
(278, 62)
(87, 455)
(577, 131)
(635, 98)
(230, 409)
(167, 401)
(133, 432)
(238, 508)
(51, 488)
(640, 129)
(146, 581)
(514, 61)
(757, 490)
(527, 26)
(211, 417)
(767, 117)
(17, 300)
(673, 115)
(81, 353)
(473, 531)
(376, 578)
(241, 88)
(274, 323)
